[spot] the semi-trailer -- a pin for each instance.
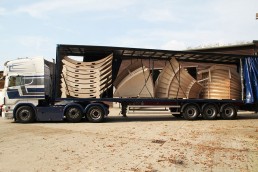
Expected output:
(85, 80)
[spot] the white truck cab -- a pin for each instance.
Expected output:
(26, 80)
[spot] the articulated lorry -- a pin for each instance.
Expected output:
(84, 81)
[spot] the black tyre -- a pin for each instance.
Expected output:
(191, 111)
(25, 114)
(73, 114)
(228, 111)
(210, 111)
(95, 114)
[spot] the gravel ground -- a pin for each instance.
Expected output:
(141, 142)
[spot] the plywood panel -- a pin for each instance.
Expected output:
(129, 69)
(94, 64)
(79, 95)
(176, 82)
(65, 83)
(222, 82)
(137, 83)
(82, 79)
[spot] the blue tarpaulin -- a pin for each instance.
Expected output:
(250, 71)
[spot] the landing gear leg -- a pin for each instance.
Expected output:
(124, 110)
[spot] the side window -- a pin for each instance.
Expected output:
(15, 81)
(28, 81)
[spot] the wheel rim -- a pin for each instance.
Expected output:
(74, 113)
(95, 114)
(229, 111)
(191, 111)
(210, 111)
(25, 115)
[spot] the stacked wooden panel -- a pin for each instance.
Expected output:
(134, 81)
(221, 82)
(176, 82)
(86, 79)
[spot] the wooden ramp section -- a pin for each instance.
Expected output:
(135, 81)
(127, 71)
(221, 82)
(86, 79)
(176, 82)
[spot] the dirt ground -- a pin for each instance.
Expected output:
(141, 142)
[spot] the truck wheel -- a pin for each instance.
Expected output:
(73, 114)
(191, 111)
(95, 114)
(25, 114)
(228, 112)
(210, 111)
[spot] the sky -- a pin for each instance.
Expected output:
(30, 28)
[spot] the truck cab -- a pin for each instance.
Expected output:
(27, 80)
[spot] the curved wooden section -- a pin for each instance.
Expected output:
(137, 83)
(176, 82)
(80, 71)
(194, 90)
(222, 82)
(165, 78)
(83, 76)
(94, 64)
(100, 67)
(86, 79)
(132, 67)
(67, 83)
(66, 93)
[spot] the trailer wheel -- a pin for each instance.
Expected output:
(95, 114)
(191, 111)
(73, 114)
(210, 111)
(25, 114)
(228, 112)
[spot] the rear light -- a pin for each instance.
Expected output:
(5, 108)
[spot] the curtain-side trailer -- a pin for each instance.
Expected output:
(85, 80)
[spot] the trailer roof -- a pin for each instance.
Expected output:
(128, 53)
